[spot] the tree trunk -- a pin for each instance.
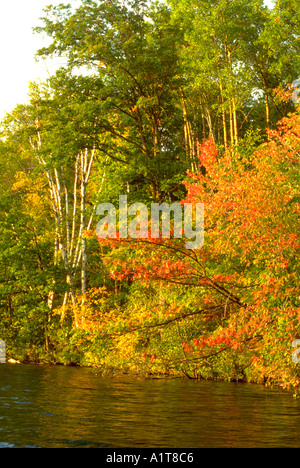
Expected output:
(188, 136)
(267, 112)
(235, 125)
(82, 229)
(224, 117)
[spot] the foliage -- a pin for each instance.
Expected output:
(231, 309)
(189, 102)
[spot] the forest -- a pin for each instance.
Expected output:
(177, 101)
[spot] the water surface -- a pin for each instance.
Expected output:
(65, 407)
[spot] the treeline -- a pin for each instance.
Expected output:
(162, 102)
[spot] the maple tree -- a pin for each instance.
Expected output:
(230, 309)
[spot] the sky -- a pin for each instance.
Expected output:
(18, 45)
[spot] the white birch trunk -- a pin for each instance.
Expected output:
(70, 245)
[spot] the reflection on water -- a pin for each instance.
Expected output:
(57, 407)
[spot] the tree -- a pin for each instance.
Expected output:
(134, 49)
(25, 259)
(232, 71)
(281, 39)
(230, 309)
(58, 131)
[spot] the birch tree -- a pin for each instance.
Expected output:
(57, 133)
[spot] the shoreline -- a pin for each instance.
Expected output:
(115, 374)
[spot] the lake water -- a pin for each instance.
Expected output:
(65, 407)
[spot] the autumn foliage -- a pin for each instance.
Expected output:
(180, 104)
(230, 310)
